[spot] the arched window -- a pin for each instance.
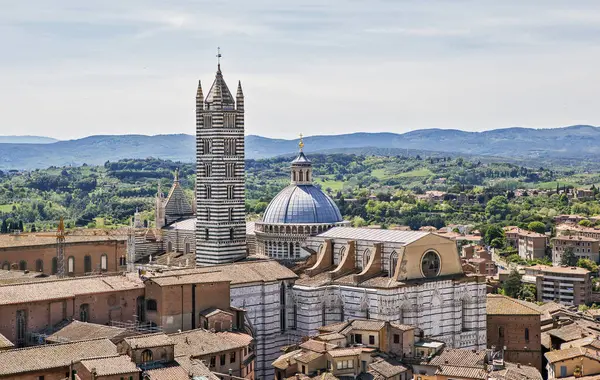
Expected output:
(84, 312)
(141, 309)
(39, 265)
(6, 265)
(464, 316)
(366, 257)
(527, 335)
(188, 247)
(231, 234)
(151, 305)
(104, 262)
(430, 264)
(501, 333)
(393, 263)
(71, 265)
(301, 176)
(342, 253)
(294, 317)
(323, 315)
(54, 265)
(230, 214)
(342, 315)
(22, 265)
(207, 213)
(87, 264)
(282, 315)
(146, 356)
(169, 246)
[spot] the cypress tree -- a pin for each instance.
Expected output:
(4, 227)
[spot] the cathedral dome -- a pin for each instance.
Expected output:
(302, 204)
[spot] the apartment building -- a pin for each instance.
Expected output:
(583, 247)
(532, 245)
(565, 285)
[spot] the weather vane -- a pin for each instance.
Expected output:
(219, 56)
(301, 143)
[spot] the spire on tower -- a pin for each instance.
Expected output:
(176, 175)
(218, 59)
(301, 143)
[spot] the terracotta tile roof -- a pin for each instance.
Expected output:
(460, 358)
(574, 238)
(167, 373)
(591, 341)
(285, 360)
(501, 305)
(37, 239)
(5, 343)
(243, 272)
(561, 270)
(569, 332)
(200, 342)
(402, 327)
(76, 331)
(149, 341)
(513, 371)
(560, 355)
(65, 288)
(195, 367)
(341, 352)
(115, 365)
(317, 346)
(308, 356)
(334, 327)
(462, 372)
(367, 324)
(387, 367)
(49, 356)
(330, 336)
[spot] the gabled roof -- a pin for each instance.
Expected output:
(77, 331)
(109, 366)
(177, 203)
(501, 305)
(202, 342)
(219, 92)
(149, 341)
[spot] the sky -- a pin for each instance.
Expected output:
(72, 68)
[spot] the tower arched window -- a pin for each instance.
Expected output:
(104, 262)
(84, 312)
(87, 264)
(54, 265)
(230, 214)
(323, 315)
(300, 176)
(366, 257)
(71, 265)
(207, 213)
(294, 175)
(146, 356)
(39, 265)
(465, 315)
(230, 191)
(151, 305)
(207, 170)
(207, 191)
(526, 335)
(22, 265)
(206, 234)
(231, 234)
(207, 121)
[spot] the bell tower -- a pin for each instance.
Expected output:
(220, 193)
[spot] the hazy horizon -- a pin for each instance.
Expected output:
(73, 69)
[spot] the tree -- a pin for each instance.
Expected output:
(588, 264)
(4, 227)
(33, 228)
(512, 285)
(585, 223)
(528, 292)
(497, 208)
(494, 232)
(568, 257)
(538, 227)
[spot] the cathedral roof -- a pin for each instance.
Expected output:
(177, 203)
(219, 93)
(302, 204)
(301, 159)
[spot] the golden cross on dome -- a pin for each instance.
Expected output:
(301, 143)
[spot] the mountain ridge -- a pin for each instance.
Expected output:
(516, 143)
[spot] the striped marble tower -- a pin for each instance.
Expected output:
(220, 206)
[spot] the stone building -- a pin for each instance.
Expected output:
(300, 210)
(566, 285)
(85, 252)
(398, 276)
(220, 210)
(515, 325)
(582, 246)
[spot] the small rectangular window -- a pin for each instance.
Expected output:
(396, 338)
(371, 339)
(213, 361)
(358, 338)
(222, 359)
(232, 357)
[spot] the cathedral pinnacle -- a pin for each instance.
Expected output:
(301, 143)
(218, 59)
(176, 175)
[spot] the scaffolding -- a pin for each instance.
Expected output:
(137, 326)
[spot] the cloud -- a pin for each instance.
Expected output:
(73, 68)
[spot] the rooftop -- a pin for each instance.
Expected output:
(48, 356)
(574, 238)
(353, 351)
(560, 270)
(5, 343)
(242, 272)
(65, 288)
(49, 238)
(388, 367)
(569, 353)
(77, 331)
(202, 342)
(460, 358)
(502, 305)
(167, 373)
(317, 346)
(367, 324)
(462, 372)
(149, 341)
(115, 365)
(391, 236)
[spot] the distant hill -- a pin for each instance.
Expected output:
(568, 145)
(26, 140)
